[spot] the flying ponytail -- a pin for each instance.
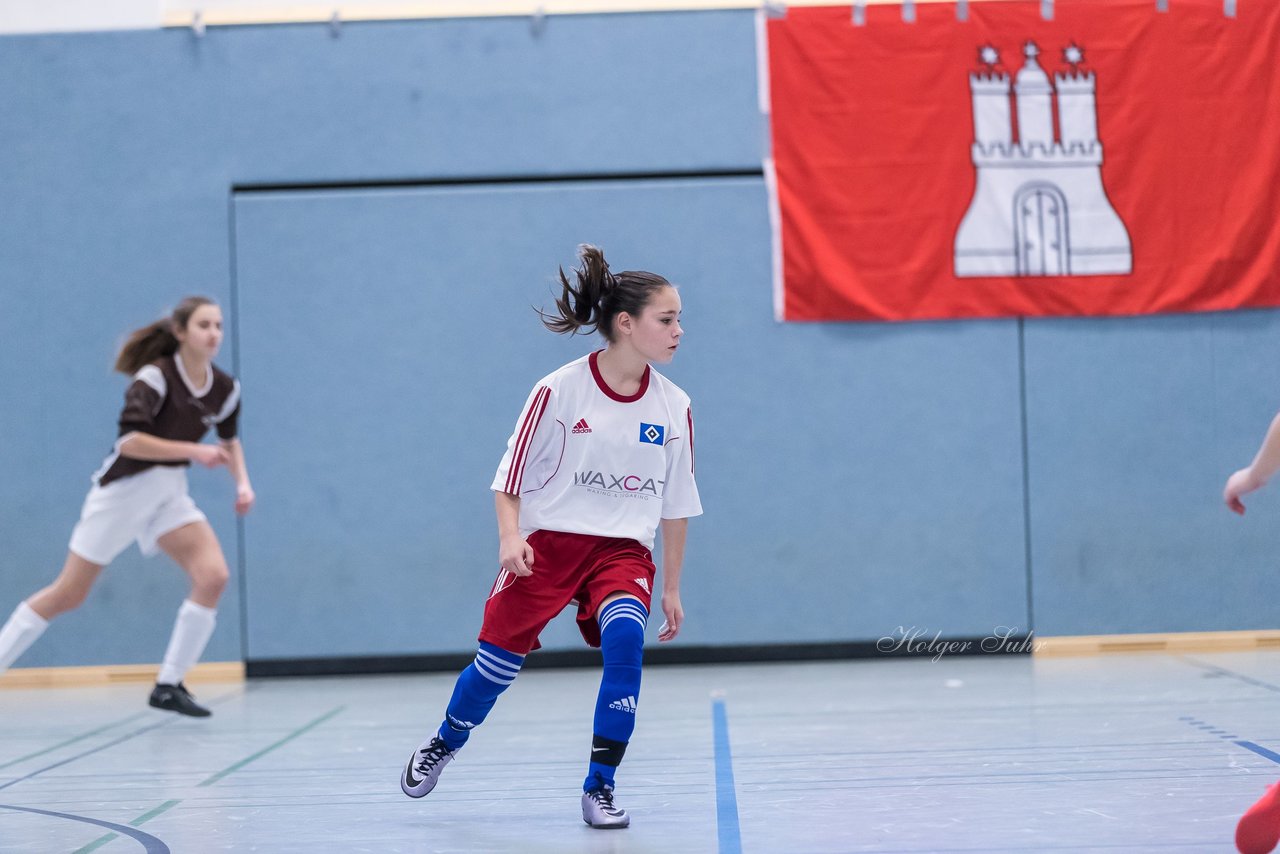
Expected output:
(155, 340)
(599, 295)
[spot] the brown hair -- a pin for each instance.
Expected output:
(600, 295)
(149, 343)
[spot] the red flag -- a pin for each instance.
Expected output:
(1113, 160)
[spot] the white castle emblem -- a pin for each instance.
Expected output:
(1039, 208)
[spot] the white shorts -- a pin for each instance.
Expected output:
(142, 507)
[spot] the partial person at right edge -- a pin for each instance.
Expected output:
(140, 492)
(1259, 828)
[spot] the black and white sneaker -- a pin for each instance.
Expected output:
(599, 810)
(424, 767)
(176, 698)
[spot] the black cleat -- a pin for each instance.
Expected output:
(176, 698)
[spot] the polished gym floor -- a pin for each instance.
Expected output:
(1111, 753)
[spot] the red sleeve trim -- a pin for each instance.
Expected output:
(532, 417)
(689, 416)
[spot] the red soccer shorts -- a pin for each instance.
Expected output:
(579, 568)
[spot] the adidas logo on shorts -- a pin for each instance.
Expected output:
(626, 704)
(643, 582)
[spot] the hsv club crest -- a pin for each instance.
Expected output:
(1039, 207)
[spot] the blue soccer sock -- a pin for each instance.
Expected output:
(622, 624)
(476, 691)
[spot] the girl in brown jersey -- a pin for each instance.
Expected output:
(140, 492)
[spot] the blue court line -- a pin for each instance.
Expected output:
(726, 796)
(1260, 750)
(149, 842)
(1247, 745)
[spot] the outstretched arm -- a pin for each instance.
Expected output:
(1265, 463)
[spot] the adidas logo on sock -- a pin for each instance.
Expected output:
(581, 426)
(459, 725)
(626, 704)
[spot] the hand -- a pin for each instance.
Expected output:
(516, 555)
(244, 499)
(209, 456)
(1241, 483)
(674, 614)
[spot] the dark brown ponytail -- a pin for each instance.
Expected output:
(599, 295)
(155, 340)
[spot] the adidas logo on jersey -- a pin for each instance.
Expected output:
(581, 426)
(644, 584)
(626, 704)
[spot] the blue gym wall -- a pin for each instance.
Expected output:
(1056, 475)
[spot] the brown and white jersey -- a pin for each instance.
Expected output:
(162, 401)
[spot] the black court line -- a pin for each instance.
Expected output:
(1222, 671)
(167, 805)
(142, 819)
(170, 719)
(85, 753)
(149, 842)
(492, 180)
(71, 740)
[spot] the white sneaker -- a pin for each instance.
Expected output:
(598, 809)
(424, 767)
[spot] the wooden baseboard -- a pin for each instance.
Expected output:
(1171, 642)
(110, 674)
(1041, 647)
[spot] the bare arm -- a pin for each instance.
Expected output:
(514, 553)
(144, 446)
(674, 532)
(239, 473)
(1265, 464)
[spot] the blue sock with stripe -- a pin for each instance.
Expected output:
(622, 624)
(476, 691)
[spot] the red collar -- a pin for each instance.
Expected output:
(613, 395)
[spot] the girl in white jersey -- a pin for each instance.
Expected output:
(140, 492)
(1258, 830)
(601, 457)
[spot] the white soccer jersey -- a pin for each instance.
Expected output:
(586, 460)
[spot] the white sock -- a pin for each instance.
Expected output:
(191, 633)
(24, 626)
